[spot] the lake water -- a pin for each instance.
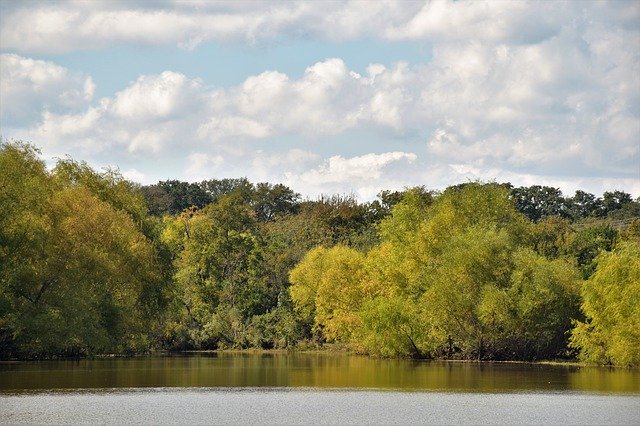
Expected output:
(298, 388)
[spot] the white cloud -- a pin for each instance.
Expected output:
(494, 21)
(60, 27)
(28, 87)
(365, 167)
(156, 97)
(47, 27)
(363, 176)
(133, 175)
(142, 119)
(146, 141)
(202, 166)
(512, 89)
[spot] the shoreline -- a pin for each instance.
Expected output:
(325, 351)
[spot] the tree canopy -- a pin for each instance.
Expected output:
(92, 263)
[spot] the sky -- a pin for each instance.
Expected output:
(330, 97)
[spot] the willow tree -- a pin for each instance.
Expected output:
(327, 285)
(611, 303)
(460, 278)
(75, 270)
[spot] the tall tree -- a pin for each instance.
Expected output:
(537, 202)
(611, 302)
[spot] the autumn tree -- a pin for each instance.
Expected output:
(611, 303)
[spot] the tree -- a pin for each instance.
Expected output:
(393, 326)
(543, 298)
(157, 199)
(537, 202)
(77, 274)
(181, 195)
(343, 217)
(218, 188)
(270, 201)
(552, 236)
(82, 291)
(221, 273)
(587, 243)
(108, 186)
(584, 205)
(611, 303)
(616, 200)
(326, 285)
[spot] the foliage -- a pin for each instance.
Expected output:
(457, 277)
(78, 276)
(611, 302)
(587, 243)
(324, 285)
(92, 263)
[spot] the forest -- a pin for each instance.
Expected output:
(91, 264)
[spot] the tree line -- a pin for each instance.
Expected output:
(91, 263)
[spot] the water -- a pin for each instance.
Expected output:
(323, 388)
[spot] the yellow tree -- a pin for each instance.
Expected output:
(327, 284)
(611, 303)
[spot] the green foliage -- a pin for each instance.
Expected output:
(91, 263)
(393, 326)
(551, 237)
(326, 285)
(271, 201)
(543, 298)
(588, 243)
(78, 276)
(454, 277)
(108, 186)
(220, 271)
(584, 205)
(277, 329)
(537, 202)
(611, 303)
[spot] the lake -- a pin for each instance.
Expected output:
(317, 388)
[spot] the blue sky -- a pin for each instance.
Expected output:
(330, 97)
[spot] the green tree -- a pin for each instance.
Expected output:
(537, 202)
(587, 243)
(327, 286)
(77, 275)
(583, 205)
(616, 200)
(611, 304)
(270, 201)
(393, 326)
(221, 274)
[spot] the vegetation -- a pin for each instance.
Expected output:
(91, 263)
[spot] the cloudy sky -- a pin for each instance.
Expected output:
(330, 97)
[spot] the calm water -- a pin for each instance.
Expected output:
(313, 388)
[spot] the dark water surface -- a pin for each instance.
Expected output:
(281, 388)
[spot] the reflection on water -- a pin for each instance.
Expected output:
(312, 371)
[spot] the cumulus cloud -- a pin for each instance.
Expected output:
(29, 87)
(67, 26)
(157, 109)
(47, 27)
(156, 97)
(491, 21)
(512, 90)
(364, 168)
(364, 175)
(141, 119)
(133, 175)
(202, 166)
